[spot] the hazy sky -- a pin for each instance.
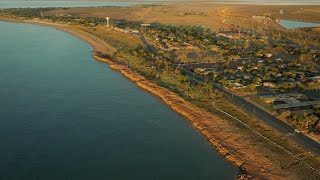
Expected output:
(218, 1)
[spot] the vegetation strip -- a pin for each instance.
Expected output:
(276, 144)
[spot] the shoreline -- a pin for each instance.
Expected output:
(250, 162)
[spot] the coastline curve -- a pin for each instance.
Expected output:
(208, 124)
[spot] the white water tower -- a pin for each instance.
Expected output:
(281, 11)
(108, 18)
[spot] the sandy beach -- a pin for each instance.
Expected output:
(249, 159)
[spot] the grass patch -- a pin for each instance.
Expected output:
(261, 103)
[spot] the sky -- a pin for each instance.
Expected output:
(301, 2)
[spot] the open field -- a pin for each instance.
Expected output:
(203, 14)
(296, 13)
(116, 39)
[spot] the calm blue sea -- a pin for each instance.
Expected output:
(64, 115)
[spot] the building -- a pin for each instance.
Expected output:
(303, 112)
(269, 99)
(268, 55)
(261, 18)
(296, 106)
(236, 85)
(289, 97)
(145, 25)
(269, 84)
(231, 35)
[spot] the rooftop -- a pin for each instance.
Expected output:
(296, 105)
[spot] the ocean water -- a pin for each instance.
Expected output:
(297, 24)
(64, 115)
(37, 4)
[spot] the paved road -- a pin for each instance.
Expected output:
(146, 45)
(260, 114)
(250, 108)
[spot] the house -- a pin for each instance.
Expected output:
(199, 69)
(230, 35)
(315, 78)
(214, 48)
(318, 126)
(268, 98)
(189, 46)
(304, 112)
(192, 47)
(236, 85)
(127, 31)
(297, 106)
(145, 25)
(287, 98)
(135, 31)
(261, 18)
(247, 76)
(269, 84)
(240, 68)
(268, 55)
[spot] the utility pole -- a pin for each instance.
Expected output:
(280, 12)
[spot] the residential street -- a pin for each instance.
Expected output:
(262, 115)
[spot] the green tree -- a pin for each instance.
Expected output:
(310, 121)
